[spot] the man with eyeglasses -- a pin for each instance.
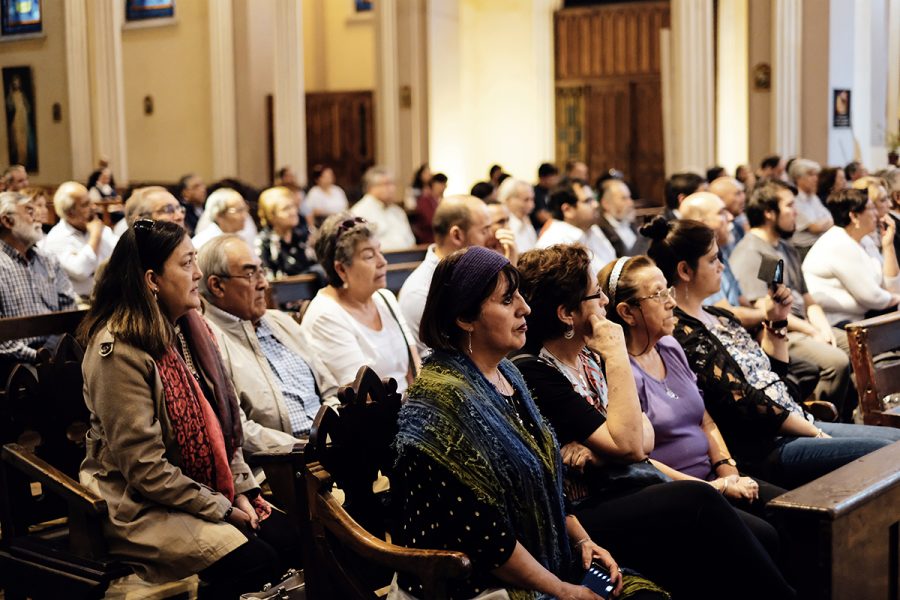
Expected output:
(274, 378)
(31, 282)
(152, 202)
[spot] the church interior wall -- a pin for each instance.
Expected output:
(171, 64)
(46, 55)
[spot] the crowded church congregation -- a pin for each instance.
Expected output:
(450, 299)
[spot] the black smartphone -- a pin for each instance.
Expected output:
(598, 580)
(771, 270)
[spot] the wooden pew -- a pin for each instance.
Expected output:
(397, 274)
(414, 254)
(841, 531)
(288, 292)
(876, 378)
(15, 328)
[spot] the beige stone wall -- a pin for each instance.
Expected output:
(46, 57)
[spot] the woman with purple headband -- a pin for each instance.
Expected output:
(478, 470)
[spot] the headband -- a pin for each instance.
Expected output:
(614, 278)
(473, 271)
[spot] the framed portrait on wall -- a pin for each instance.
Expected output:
(363, 5)
(141, 10)
(18, 99)
(20, 17)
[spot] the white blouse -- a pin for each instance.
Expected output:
(845, 278)
(344, 344)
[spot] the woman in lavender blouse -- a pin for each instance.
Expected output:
(688, 445)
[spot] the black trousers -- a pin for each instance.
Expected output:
(687, 538)
(268, 554)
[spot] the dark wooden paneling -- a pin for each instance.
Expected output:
(340, 132)
(609, 41)
(608, 91)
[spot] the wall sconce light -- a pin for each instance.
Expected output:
(148, 105)
(762, 76)
(57, 112)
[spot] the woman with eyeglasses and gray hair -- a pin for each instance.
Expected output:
(576, 364)
(354, 321)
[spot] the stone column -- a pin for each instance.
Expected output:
(77, 66)
(387, 87)
(223, 110)
(108, 86)
(290, 99)
(787, 39)
(693, 107)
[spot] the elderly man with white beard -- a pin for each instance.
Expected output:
(31, 282)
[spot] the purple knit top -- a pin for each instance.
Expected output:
(675, 408)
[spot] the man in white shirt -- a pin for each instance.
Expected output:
(459, 222)
(813, 219)
(382, 208)
(518, 196)
(575, 213)
(81, 241)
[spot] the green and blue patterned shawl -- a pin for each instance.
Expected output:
(456, 417)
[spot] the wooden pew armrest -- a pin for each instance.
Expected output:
(73, 493)
(428, 565)
(295, 456)
(843, 490)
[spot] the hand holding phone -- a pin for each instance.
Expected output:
(598, 580)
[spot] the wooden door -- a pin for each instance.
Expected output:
(608, 90)
(340, 132)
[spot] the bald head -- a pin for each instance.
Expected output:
(732, 193)
(460, 222)
(709, 209)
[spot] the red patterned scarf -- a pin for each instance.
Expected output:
(207, 430)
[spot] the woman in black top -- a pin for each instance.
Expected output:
(282, 242)
(577, 367)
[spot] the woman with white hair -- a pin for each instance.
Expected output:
(225, 212)
(81, 241)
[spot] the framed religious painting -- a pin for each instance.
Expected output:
(18, 98)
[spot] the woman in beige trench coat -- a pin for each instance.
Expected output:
(164, 446)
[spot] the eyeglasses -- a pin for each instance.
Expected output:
(250, 274)
(169, 209)
(661, 296)
(596, 296)
(237, 209)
